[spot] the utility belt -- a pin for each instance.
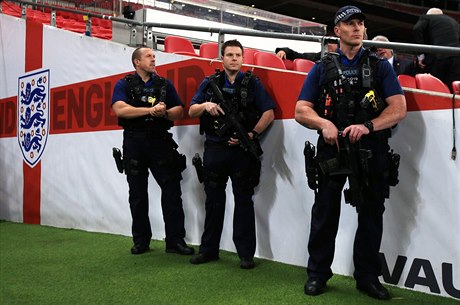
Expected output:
(352, 162)
(376, 135)
(142, 134)
(172, 159)
(209, 143)
(221, 144)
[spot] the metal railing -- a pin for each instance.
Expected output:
(148, 39)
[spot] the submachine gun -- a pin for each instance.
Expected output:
(351, 160)
(232, 120)
(355, 159)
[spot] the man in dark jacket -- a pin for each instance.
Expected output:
(287, 53)
(400, 65)
(438, 29)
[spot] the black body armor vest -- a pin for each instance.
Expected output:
(349, 95)
(240, 96)
(141, 96)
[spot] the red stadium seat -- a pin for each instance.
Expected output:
(249, 56)
(407, 81)
(456, 86)
(106, 23)
(426, 81)
(179, 45)
(269, 60)
(289, 64)
(303, 65)
(209, 50)
(9, 8)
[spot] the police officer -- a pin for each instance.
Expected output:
(146, 106)
(224, 157)
(332, 99)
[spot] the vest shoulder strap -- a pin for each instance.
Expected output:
(132, 80)
(332, 68)
(160, 82)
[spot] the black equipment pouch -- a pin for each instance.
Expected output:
(118, 159)
(198, 163)
(311, 169)
(393, 171)
(366, 76)
(373, 101)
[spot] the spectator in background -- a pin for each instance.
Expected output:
(287, 53)
(400, 65)
(437, 29)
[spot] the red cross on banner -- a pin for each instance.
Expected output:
(32, 175)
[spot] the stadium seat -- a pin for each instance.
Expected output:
(249, 56)
(426, 81)
(179, 45)
(209, 50)
(269, 60)
(303, 65)
(407, 81)
(456, 86)
(106, 23)
(9, 8)
(289, 64)
(100, 32)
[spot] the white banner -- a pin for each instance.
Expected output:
(81, 188)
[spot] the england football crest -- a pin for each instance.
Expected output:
(33, 115)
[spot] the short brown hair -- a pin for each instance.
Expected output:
(137, 54)
(231, 43)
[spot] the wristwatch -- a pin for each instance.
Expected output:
(369, 125)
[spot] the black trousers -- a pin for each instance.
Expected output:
(222, 162)
(142, 153)
(326, 213)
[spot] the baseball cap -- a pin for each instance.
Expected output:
(347, 12)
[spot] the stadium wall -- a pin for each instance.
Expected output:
(72, 182)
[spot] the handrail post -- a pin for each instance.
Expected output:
(23, 11)
(53, 18)
(132, 37)
(88, 26)
(148, 40)
(220, 42)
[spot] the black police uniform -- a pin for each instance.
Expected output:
(222, 161)
(147, 145)
(341, 101)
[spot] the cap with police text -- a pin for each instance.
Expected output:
(348, 12)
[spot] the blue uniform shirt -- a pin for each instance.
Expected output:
(172, 98)
(387, 82)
